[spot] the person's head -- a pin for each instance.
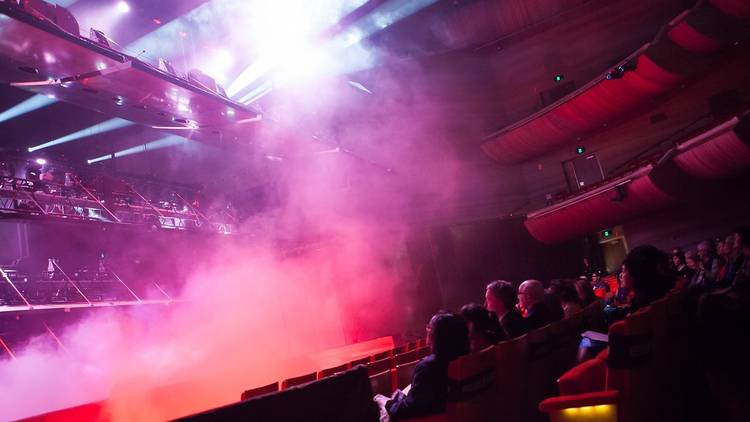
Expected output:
(500, 297)
(742, 240)
(705, 249)
(678, 259)
(481, 325)
(530, 292)
(585, 291)
(448, 335)
(625, 281)
(595, 277)
(728, 245)
(564, 290)
(647, 269)
(692, 261)
(586, 262)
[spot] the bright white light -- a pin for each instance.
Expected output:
(123, 7)
(217, 66)
(41, 161)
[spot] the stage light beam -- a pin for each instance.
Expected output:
(167, 141)
(107, 126)
(34, 103)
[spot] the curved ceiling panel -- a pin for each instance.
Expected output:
(659, 68)
(618, 201)
(737, 8)
(724, 153)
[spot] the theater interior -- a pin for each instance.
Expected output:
(251, 210)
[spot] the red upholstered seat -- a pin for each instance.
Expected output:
(587, 377)
(474, 379)
(382, 383)
(361, 361)
(259, 391)
(579, 400)
(511, 358)
(404, 374)
(333, 370)
(381, 355)
(406, 357)
(302, 379)
(380, 365)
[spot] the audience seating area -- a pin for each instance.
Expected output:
(504, 382)
(642, 376)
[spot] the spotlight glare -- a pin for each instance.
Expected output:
(41, 161)
(123, 7)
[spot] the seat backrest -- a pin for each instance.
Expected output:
(631, 362)
(540, 372)
(346, 396)
(400, 349)
(361, 361)
(423, 351)
(472, 379)
(332, 370)
(381, 355)
(382, 383)
(259, 391)
(302, 379)
(510, 367)
(406, 357)
(404, 373)
(586, 377)
(380, 366)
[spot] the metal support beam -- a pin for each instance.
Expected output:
(126, 286)
(71, 282)
(18, 292)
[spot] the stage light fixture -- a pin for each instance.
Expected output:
(606, 234)
(41, 161)
(580, 150)
(559, 77)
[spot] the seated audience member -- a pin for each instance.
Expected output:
(711, 263)
(601, 288)
(741, 279)
(501, 298)
(531, 301)
(647, 273)
(698, 279)
(622, 297)
(728, 257)
(554, 305)
(680, 266)
(428, 393)
(585, 292)
(484, 328)
(566, 293)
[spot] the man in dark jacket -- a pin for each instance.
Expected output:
(531, 301)
(501, 298)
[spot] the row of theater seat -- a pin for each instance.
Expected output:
(505, 381)
(644, 375)
(402, 358)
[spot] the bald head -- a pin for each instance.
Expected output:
(530, 292)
